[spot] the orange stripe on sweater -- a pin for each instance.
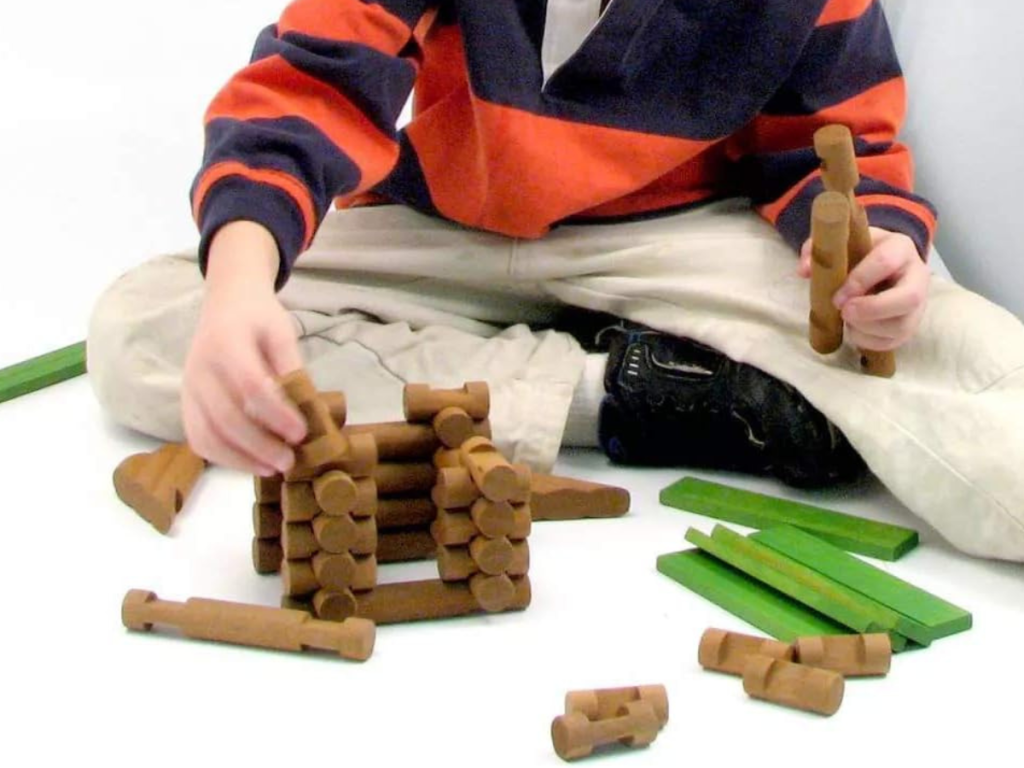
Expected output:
(773, 210)
(346, 21)
(283, 181)
(518, 172)
(875, 115)
(296, 94)
(836, 11)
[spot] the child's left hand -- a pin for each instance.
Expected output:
(888, 319)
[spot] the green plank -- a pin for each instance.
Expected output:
(760, 606)
(801, 583)
(43, 371)
(940, 617)
(757, 510)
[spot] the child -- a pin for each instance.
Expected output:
(642, 160)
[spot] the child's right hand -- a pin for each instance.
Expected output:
(233, 410)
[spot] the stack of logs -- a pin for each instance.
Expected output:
(363, 495)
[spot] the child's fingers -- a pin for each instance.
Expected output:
(877, 268)
(870, 341)
(252, 385)
(895, 302)
(803, 267)
(272, 411)
(890, 328)
(204, 439)
(241, 435)
(280, 347)
(280, 351)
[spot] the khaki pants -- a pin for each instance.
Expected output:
(386, 296)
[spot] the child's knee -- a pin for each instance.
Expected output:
(139, 334)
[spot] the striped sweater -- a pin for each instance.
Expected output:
(665, 104)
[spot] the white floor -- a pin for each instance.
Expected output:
(99, 139)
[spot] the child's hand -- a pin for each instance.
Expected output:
(888, 319)
(234, 413)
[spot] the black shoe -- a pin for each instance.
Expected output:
(675, 402)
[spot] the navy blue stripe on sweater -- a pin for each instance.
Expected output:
(235, 199)
(632, 72)
(376, 83)
(768, 176)
(407, 183)
(840, 61)
(794, 224)
(409, 11)
(288, 144)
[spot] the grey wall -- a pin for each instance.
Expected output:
(964, 63)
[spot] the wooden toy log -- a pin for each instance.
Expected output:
(849, 655)
(298, 388)
(830, 233)
(793, 685)
(337, 407)
(298, 541)
(325, 447)
(254, 625)
(298, 578)
(42, 371)
(268, 489)
(401, 441)
(403, 512)
(420, 600)
(335, 492)
(565, 498)
(604, 703)
(457, 564)
(453, 426)
(157, 484)
(490, 470)
(400, 546)
(493, 593)
(298, 502)
(345, 533)
(345, 571)
(492, 556)
(266, 521)
(728, 652)
(455, 488)
(834, 146)
(356, 455)
(574, 736)
(421, 403)
(494, 519)
(335, 501)
(333, 605)
(267, 556)
(454, 527)
(405, 477)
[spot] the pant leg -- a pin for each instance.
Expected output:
(383, 297)
(945, 435)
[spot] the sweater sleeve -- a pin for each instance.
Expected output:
(310, 119)
(847, 73)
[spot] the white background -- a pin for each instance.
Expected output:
(963, 63)
(100, 135)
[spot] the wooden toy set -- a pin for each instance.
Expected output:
(363, 496)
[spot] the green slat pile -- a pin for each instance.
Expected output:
(789, 583)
